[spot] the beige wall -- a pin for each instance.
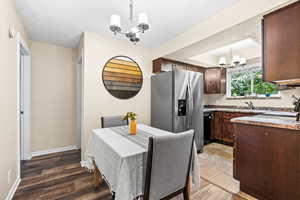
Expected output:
(53, 96)
(9, 133)
(285, 101)
(97, 101)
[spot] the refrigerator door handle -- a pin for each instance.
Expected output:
(190, 106)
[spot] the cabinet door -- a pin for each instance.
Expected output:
(157, 65)
(267, 161)
(217, 126)
(281, 44)
(212, 81)
(227, 131)
(215, 81)
(178, 66)
(194, 68)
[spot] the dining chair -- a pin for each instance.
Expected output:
(168, 166)
(112, 121)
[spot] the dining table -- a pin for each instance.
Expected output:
(120, 158)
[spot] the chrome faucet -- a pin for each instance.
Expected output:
(297, 106)
(250, 105)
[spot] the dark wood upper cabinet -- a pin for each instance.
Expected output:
(195, 68)
(281, 45)
(215, 81)
(214, 78)
(162, 64)
(157, 65)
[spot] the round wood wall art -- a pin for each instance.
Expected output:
(122, 77)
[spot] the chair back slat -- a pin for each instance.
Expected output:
(112, 121)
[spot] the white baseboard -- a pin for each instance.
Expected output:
(13, 189)
(48, 151)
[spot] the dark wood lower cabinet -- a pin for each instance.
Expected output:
(227, 131)
(217, 126)
(267, 162)
(222, 127)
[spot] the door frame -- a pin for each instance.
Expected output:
(24, 138)
(79, 100)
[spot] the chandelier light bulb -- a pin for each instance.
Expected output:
(143, 24)
(143, 18)
(236, 59)
(115, 20)
(222, 61)
(243, 61)
(115, 23)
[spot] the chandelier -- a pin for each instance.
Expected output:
(134, 34)
(235, 61)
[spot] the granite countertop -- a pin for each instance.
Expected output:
(269, 121)
(264, 112)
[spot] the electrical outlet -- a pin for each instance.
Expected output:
(8, 176)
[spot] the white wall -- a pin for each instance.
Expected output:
(53, 96)
(97, 101)
(285, 102)
(9, 73)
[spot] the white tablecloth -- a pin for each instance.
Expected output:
(122, 162)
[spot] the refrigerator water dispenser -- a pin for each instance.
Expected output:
(181, 107)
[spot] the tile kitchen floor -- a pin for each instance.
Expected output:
(216, 167)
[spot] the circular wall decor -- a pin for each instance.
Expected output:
(122, 77)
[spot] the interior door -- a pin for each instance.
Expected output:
(22, 107)
(79, 75)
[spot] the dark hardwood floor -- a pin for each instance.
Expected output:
(58, 176)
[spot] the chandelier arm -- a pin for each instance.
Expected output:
(125, 32)
(122, 32)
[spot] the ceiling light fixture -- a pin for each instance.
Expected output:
(134, 34)
(235, 61)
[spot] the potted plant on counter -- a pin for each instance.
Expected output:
(132, 117)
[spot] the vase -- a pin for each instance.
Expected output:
(132, 127)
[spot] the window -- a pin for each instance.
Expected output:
(247, 82)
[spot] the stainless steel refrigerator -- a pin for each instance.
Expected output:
(177, 102)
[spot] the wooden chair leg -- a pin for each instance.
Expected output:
(186, 194)
(97, 176)
(187, 189)
(113, 195)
